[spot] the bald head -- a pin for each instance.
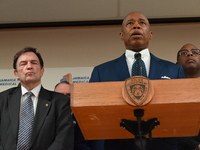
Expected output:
(135, 31)
(135, 13)
(189, 58)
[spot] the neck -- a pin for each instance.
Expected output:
(30, 86)
(192, 74)
(136, 48)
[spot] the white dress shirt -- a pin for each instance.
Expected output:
(34, 97)
(130, 59)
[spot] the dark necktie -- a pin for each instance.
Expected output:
(138, 68)
(26, 123)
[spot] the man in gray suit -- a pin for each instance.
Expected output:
(52, 126)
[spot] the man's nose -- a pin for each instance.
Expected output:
(136, 25)
(190, 53)
(29, 65)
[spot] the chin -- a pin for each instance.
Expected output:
(30, 80)
(138, 44)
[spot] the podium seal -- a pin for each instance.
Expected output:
(137, 91)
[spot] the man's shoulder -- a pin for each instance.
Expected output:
(163, 61)
(51, 93)
(54, 96)
(9, 91)
(113, 61)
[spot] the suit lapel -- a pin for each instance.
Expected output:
(121, 68)
(14, 110)
(155, 68)
(43, 107)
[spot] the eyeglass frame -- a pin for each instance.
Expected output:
(195, 54)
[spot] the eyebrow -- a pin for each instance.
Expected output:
(141, 19)
(24, 61)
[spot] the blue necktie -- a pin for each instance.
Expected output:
(138, 68)
(26, 123)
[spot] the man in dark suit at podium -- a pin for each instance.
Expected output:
(136, 33)
(189, 58)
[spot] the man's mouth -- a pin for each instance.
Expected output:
(29, 73)
(190, 61)
(136, 35)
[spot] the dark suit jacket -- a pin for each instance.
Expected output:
(117, 70)
(53, 127)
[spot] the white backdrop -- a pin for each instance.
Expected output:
(50, 78)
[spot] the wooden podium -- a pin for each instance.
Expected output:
(99, 108)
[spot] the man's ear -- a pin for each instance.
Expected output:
(16, 73)
(150, 35)
(42, 71)
(121, 35)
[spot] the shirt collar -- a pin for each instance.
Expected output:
(144, 53)
(130, 59)
(35, 91)
(130, 54)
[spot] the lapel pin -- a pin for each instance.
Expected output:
(47, 105)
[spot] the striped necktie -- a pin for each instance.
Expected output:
(26, 123)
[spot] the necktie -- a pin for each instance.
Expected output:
(138, 68)
(26, 123)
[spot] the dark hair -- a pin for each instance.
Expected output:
(27, 49)
(66, 82)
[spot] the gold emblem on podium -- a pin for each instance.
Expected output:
(137, 91)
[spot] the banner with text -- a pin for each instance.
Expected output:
(50, 78)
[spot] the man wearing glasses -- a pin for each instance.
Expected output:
(189, 58)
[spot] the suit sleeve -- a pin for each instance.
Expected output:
(64, 139)
(1, 147)
(95, 75)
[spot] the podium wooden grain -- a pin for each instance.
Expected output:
(99, 108)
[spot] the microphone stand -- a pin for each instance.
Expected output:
(140, 128)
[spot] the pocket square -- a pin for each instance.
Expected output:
(165, 77)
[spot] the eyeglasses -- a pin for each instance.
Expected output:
(185, 52)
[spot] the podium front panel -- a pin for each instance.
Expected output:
(99, 109)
